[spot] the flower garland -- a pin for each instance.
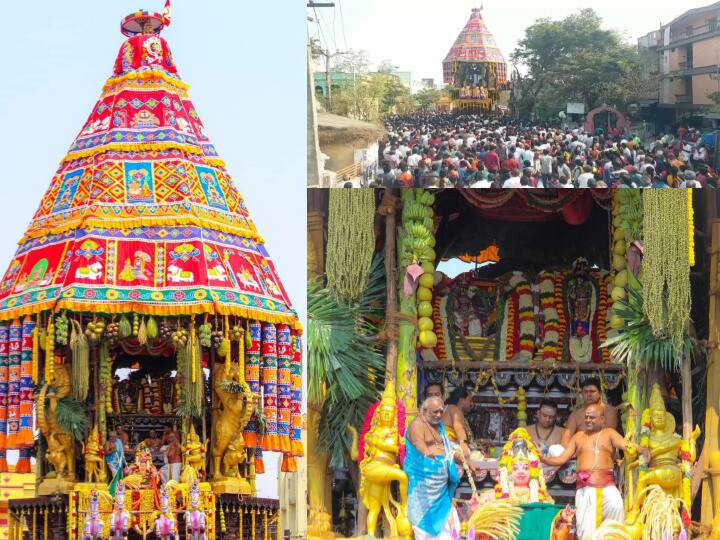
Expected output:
(509, 337)
(691, 228)
(559, 281)
(550, 348)
(519, 290)
(526, 315)
(602, 314)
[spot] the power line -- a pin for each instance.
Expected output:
(342, 23)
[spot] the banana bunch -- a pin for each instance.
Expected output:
(626, 227)
(106, 378)
(418, 242)
(61, 329)
(418, 246)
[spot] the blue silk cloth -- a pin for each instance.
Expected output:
(431, 486)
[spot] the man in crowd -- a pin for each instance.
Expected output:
(546, 434)
(594, 447)
(432, 474)
(592, 394)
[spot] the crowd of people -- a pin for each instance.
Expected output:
(442, 150)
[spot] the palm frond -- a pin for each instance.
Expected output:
(343, 362)
(635, 344)
(70, 414)
(370, 306)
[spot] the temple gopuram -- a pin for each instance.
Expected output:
(474, 68)
(149, 354)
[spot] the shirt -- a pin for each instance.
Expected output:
(512, 182)
(583, 179)
(492, 161)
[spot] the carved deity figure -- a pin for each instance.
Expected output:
(193, 457)
(581, 300)
(670, 459)
(60, 447)
(521, 479)
(93, 528)
(231, 414)
(93, 454)
(379, 468)
(142, 473)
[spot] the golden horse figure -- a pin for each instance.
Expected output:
(94, 462)
(379, 468)
(60, 453)
(671, 457)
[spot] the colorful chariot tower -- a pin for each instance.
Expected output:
(474, 68)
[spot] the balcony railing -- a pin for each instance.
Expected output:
(694, 32)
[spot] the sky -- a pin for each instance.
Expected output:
(245, 64)
(415, 35)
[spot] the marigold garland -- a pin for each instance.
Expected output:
(550, 347)
(666, 274)
(602, 311)
(351, 241)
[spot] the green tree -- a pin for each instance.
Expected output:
(426, 98)
(575, 59)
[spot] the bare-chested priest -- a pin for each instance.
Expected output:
(545, 433)
(592, 393)
(594, 447)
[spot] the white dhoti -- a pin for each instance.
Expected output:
(586, 506)
(452, 524)
(175, 471)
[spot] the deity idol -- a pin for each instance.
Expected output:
(521, 478)
(671, 457)
(581, 301)
(379, 467)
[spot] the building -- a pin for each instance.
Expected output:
(689, 61)
(427, 84)
(338, 78)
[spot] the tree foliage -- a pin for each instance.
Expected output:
(575, 59)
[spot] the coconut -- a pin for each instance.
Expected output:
(425, 309)
(619, 262)
(617, 322)
(426, 280)
(424, 294)
(425, 323)
(621, 279)
(427, 339)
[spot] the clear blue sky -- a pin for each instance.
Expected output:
(245, 63)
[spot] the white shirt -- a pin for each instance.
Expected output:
(583, 179)
(482, 184)
(512, 182)
(413, 161)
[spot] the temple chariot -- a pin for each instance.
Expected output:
(149, 353)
